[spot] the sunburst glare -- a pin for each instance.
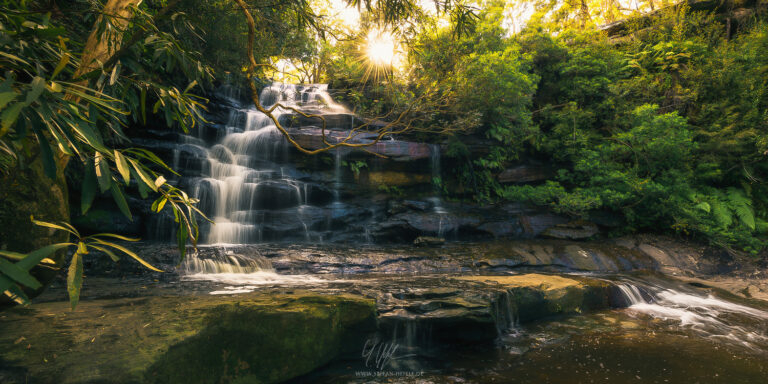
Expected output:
(380, 47)
(381, 52)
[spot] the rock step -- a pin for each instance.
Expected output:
(482, 308)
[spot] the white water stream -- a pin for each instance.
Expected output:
(706, 315)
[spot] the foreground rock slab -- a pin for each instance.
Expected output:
(250, 338)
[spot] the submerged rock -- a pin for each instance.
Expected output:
(259, 338)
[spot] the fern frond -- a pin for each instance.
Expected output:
(742, 206)
(761, 226)
(704, 206)
(722, 214)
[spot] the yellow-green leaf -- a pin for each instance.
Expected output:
(122, 166)
(103, 175)
(75, 279)
(159, 181)
(143, 175)
(59, 67)
(6, 97)
(9, 116)
(128, 252)
(107, 251)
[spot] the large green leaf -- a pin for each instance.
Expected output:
(109, 253)
(122, 166)
(65, 227)
(116, 236)
(33, 258)
(9, 116)
(18, 274)
(103, 174)
(143, 175)
(13, 291)
(38, 86)
(119, 198)
(127, 252)
(181, 240)
(75, 279)
(6, 97)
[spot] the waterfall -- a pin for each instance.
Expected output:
(705, 315)
(437, 188)
(504, 313)
(337, 176)
(241, 179)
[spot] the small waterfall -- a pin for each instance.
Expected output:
(225, 261)
(632, 294)
(241, 270)
(504, 313)
(337, 176)
(411, 338)
(437, 180)
(705, 315)
(437, 189)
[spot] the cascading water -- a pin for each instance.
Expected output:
(437, 198)
(244, 180)
(248, 187)
(707, 316)
(224, 260)
(240, 271)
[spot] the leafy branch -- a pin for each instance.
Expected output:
(17, 275)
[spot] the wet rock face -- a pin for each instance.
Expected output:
(479, 308)
(250, 179)
(260, 338)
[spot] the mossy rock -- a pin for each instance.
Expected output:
(535, 296)
(251, 338)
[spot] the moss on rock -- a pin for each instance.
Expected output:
(252, 338)
(535, 296)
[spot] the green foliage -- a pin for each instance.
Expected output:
(355, 166)
(667, 130)
(14, 276)
(57, 110)
(391, 190)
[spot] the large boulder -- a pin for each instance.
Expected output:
(534, 296)
(252, 338)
